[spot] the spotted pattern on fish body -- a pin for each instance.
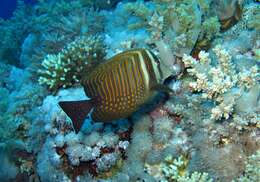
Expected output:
(122, 84)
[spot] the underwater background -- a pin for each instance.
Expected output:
(208, 130)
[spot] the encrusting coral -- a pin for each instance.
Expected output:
(68, 66)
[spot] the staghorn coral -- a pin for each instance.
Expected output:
(67, 67)
(214, 151)
(60, 31)
(180, 27)
(67, 25)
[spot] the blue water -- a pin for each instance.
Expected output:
(7, 7)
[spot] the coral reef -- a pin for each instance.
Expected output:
(209, 130)
(174, 27)
(68, 66)
(95, 152)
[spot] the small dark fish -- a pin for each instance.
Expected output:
(117, 88)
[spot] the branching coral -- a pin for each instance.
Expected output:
(67, 67)
(220, 83)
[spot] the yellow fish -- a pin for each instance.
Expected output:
(117, 88)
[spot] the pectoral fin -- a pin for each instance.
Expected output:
(77, 111)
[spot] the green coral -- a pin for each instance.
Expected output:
(196, 177)
(67, 67)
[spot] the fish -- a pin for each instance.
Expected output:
(117, 88)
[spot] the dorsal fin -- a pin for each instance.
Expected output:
(77, 111)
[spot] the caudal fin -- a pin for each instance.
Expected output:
(77, 111)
